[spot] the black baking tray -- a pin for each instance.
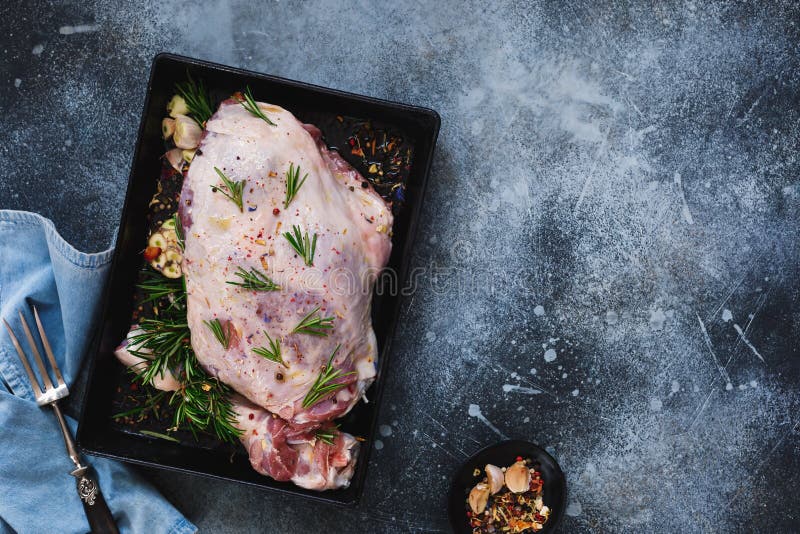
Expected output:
(96, 434)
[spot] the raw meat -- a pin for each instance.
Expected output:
(353, 228)
(283, 452)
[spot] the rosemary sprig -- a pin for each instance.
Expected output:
(163, 342)
(203, 403)
(292, 185)
(315, 326)
(220, 332)
(255, 280)
(327, 435)
(325, 384)
(304, 246)
(196, 99)
(155, 286)
(272, 353)
(249, 103)
(235, 189)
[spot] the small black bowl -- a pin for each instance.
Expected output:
(504, 454)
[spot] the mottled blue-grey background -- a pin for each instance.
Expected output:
(609, 244)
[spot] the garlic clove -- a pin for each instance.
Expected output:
(157, 240)
(188, 155)
(167, 128)
(173, 255)
(177, 106)
(158, 263)
(172, 270)
(169, 224)
(169, 234)
(175, 158)
(478, 498)
(518, 478)
(187, 132)
(496, 478)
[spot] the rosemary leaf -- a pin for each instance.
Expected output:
(178, 230)
(221, 333)
(250, 104)
(325, 384)
(314, 325)
(327, 435)
(235, 190)
(272, 353)
(255, 280)
(158, 435)
(301, 243)
(292, 185)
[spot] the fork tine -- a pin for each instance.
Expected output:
(37, 391)
(37, 357)
(47, 349)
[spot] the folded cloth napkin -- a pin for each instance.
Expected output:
(37, 492)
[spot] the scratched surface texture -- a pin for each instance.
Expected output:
(608, 253)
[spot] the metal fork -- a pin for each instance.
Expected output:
(94, 505)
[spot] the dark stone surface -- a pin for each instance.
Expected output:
(631, 170)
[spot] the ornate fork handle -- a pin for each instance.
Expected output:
(87, 488)
(94, 505)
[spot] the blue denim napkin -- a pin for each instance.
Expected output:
(37, 493)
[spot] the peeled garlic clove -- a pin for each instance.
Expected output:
(478, 498)
(177, 106)
(169, 224)
(518, 478)
(171, 270)
(167, 128)
(158, 263)
(188, 155)
(496, 478)
(175, 158)
(169, 234)
(187, 132)
(173, 255)
(157, 240)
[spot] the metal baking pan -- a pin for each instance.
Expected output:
(96, 433)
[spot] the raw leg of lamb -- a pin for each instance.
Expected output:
(348, 227)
